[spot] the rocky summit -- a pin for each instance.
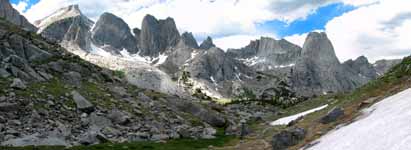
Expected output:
(67, 25)
(157, 35)
(112, 31)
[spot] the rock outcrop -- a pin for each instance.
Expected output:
(157, 35)
(383, 66)
(114, 34)
(288, 138)
(362, 68)
(10, 14)
(67, 25)
(268, 54)
(318, 70)
(207, 44)
(187, 40)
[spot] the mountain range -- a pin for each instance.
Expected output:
(310, 70)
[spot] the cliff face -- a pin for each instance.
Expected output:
(157, 35)
(318, 70)
(113, 31)
(67, 25)
(268, 54)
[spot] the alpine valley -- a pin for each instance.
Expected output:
(69, 81)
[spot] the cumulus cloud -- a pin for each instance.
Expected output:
(381, 30)
(216, 18)
(238, 41)
(376, 28)
(21, 6)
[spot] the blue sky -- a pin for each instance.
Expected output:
(314, 21)
(29, 2)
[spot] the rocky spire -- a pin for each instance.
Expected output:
(318, 70)
(362, 67)
(157, 35)
(318, 48)
(112, 31)
(207, 44)
(10, 14)
(187, 40)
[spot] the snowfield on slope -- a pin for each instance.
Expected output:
(384, 126)
(287, 120)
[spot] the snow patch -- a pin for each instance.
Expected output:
(60, 14)
(284, 66)
(383, 126)
(98, 51)
(252, 61)
(287, 120)
(161, 59)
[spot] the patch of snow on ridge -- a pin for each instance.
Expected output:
(134, 57)
(383, 126)
(161, 59)
(252, 61)
(98, 51)
(284, 66)
(287, 120)
(60, 14)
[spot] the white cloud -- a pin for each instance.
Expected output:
(297, 39)
(237, 41)
(202, 17)
(378, 30)
(368, 31)
(21, 6)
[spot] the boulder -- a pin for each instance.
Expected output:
(92, 137)
(119, 92)
(4, 73)
(118, 117)
(332, 115)
(8, 107)
(35, 140)
(98, 122)
(72, 78)
(287, 138)
(18, 84)
(82, 103)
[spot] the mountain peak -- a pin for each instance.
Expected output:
(157, 35)
(187, 39)
(319, 48)
(115, 32)
(62, 13)
(207, 43)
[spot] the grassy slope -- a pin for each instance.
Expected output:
(398, 79)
